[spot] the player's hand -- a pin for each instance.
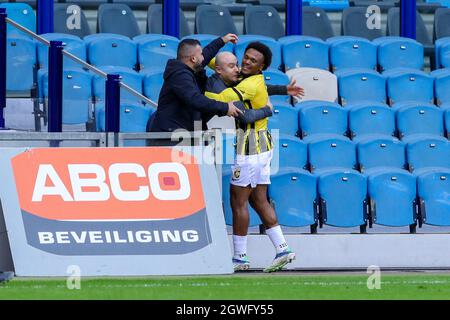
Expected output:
(294, 90)
(233, 111)
(230, 38)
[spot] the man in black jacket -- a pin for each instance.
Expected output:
(181, 100)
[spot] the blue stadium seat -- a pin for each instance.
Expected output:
(21, 61)
(437, 50)
(322, 118)
(335, 39)
(153, 82)
(354, 23)
(410, 86)
(412, 120)
(117, 18)
(343, 198)
(428, 152)
(362, 86)
(155, 50)
(315, 23)
(392, 196)
(275, 77)
(442, 89)
(398, 52)
(21, 13)
(289, 151)
(72, 44)
(263, 20)
(422, 34)
(95, 36)
(155, 21)
(379, 152)
(399, 105)
(444, 55)
(341, 188)
(65, 12)
(310, 103)
(133, 118)
(285, 119)
(331, 151)
(433, 191)
(297, 210)
(304, 52)
(397, 71)
(128, 76)
(350, 71)
(353, 53)
(77, 95)
(274, 46)
(441, 22)
(113, 51)
(214, 19)
(205, 39)
(371, 119)
(440, 72)
(254, 218)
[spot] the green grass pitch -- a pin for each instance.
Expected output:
(239, 286)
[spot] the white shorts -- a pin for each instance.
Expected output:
(251, 170)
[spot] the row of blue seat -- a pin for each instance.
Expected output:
(326, 4)
(336, 194)
(394, 86)
(332, 150)
(305, 118)
(153, 52)
(80, 88)
(353, 86)
(119, 18)
(311, 118)
(288, 53)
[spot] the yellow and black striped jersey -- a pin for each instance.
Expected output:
(253, 138)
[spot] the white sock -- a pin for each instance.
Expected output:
(240, 246)
(276, 236)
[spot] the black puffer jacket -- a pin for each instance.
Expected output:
(181, 100)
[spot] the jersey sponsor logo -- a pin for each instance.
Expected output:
(236, 173)
(105, 195)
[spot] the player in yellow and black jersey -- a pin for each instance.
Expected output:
(251, 170)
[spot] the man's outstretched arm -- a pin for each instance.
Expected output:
(210, 51)
(291, 89)
(253, 115)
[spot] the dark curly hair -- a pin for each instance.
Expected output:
(264, 50)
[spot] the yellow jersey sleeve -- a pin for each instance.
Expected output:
(245, 90)
(212, 64)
